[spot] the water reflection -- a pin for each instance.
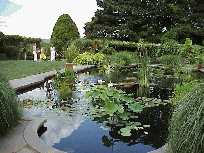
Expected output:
(65, 128)
(43, 92)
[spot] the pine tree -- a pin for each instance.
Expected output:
(64, 31)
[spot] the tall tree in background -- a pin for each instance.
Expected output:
(64, 31)
(130, 20)
(189, 23)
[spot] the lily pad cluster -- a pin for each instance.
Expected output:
(119, 108)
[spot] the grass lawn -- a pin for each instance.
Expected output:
(16, 69)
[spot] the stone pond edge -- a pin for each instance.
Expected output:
(31, 137)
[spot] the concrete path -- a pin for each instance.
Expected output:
(23, 138)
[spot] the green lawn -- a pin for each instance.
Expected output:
(16, 69)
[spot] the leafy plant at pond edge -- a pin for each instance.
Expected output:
(65, 83)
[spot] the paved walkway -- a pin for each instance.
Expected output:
(23, 138)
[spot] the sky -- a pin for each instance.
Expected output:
(36, 18)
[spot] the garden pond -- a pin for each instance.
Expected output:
(78, 125)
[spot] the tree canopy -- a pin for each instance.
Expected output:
(11, 45)
(130, 20)
(64, 31)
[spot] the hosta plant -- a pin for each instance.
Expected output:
(89, 59)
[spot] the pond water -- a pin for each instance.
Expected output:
(75, 131)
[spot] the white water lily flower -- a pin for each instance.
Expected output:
(100, 81)
(110, 84)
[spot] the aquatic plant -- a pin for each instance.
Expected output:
(107, 100)
(65, 83)
(144, 71)
(186, 127)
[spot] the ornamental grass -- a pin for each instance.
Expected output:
(186, 127)
(10, 108)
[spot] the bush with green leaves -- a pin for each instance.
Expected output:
(10, 108)
(186, 127)
(123, 58)
(170, 59)
(108, 51)
(89, 59)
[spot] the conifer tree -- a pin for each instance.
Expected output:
(64, 31)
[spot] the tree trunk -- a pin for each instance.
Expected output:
(24, 55)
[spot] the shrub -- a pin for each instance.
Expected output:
(170, 59)
(89, 59)
(10, 108)
(123, 58)
(186, 126)
(108, 50)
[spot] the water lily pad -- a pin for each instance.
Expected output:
(105, 128)
(138, 128)
(126, 131)
(116, 96)
(121, 109)
(119, 124)
(127, 99)
(95, 94)
(103, 96)
(124, 116)
(110, 92)
(110, 108)
(146, 125)
(133, 116)
(136, 107)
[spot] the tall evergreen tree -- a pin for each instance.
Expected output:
(64, 31)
